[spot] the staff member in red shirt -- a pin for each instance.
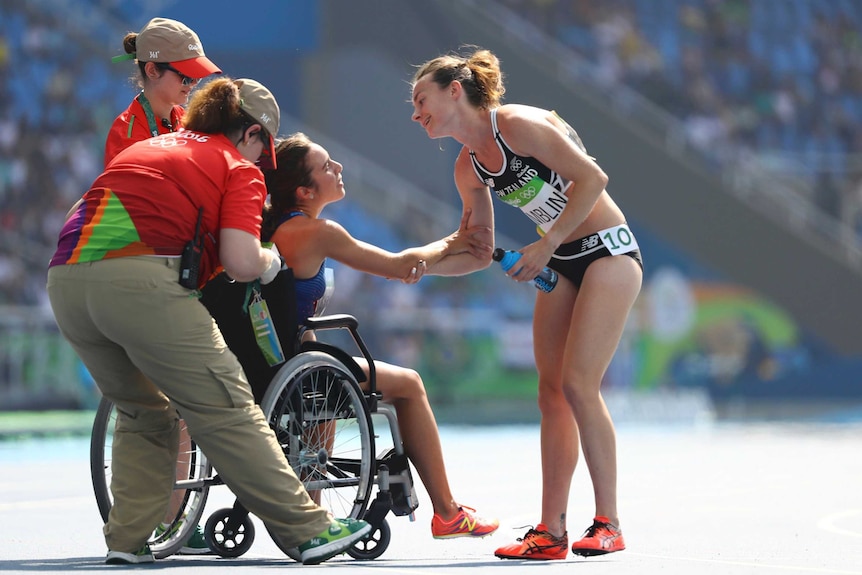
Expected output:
(153, 349)
(171, 61)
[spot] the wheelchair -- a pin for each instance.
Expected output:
(325, 424)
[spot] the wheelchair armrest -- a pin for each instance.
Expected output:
(351, 324)
(334, 321)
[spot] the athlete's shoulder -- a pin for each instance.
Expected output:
(325, 228)
(522, 112)
(521, 125)
(313, 229)
(519, 117)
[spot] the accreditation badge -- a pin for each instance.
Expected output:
(264, 331)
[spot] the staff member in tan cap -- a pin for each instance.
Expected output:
(171, 61)
(121, 299)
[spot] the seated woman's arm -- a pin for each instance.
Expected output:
(406, 265)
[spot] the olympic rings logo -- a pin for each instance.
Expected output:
(167, 142)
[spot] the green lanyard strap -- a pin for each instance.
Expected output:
(151, 117)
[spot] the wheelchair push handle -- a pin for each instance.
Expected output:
(334, 321)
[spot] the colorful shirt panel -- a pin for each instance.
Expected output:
(146, 201)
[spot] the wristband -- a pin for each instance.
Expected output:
(275, 266)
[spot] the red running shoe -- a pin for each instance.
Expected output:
(600, 538)
(538, 544)
(464, 524)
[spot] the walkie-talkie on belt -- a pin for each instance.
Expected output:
(190, 261)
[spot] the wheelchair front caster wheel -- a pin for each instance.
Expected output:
(372, 545)
(227, 535)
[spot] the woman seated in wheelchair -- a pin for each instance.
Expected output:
(306, 180)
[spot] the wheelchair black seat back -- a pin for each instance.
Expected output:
(228, 301)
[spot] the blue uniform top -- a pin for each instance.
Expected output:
(309, 290)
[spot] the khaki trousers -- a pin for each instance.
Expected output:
(154, 350)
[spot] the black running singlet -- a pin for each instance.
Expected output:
(526, 183)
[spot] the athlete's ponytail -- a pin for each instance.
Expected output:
(479, 74)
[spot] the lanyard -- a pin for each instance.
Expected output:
(151, 118)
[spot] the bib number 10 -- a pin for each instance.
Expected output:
(618, 239)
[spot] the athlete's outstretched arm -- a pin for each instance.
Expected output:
(478, 214)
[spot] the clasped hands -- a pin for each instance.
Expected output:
(478, 241)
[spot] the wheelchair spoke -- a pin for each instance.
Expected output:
(323, 426)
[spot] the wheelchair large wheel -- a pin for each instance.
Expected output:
(319, 415)
(188, 514)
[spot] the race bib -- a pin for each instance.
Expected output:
(618, 239)
(540, 201)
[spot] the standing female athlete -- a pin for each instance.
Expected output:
(531, 159)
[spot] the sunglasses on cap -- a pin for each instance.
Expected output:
(186, 80)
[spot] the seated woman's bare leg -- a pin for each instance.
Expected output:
(404, 389)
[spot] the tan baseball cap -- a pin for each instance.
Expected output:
(172, 42)
(259, 103)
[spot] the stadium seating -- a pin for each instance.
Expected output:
(776, 79)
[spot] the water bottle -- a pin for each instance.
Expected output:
(545, 281)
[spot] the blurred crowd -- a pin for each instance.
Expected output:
(59, 93)
(57, 97)
(778, 81)
(775, 80)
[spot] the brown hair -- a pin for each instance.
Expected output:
(215, 109)
(479, 74)
(130, 45)
(292, 173)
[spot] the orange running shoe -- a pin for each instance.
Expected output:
(537, 544)
(600, 538)
(464, 524)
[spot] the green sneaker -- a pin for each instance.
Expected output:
(195, 545)
(142, 555)
(337, 538)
